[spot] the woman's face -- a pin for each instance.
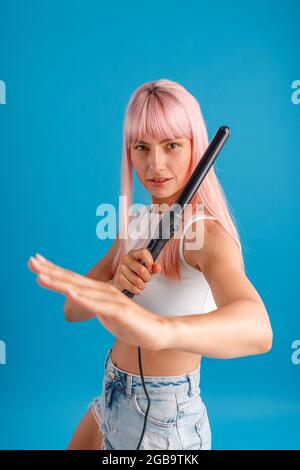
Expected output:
(169, 159)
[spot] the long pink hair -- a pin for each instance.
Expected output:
(164, 109)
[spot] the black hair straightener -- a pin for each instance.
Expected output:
(171, 220)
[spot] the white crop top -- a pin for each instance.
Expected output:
(188, 296)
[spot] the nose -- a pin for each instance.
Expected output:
(156, 160)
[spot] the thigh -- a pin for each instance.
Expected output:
(87, 435)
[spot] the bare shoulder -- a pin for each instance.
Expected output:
(220, 260)
(203, 239)
(219, 246)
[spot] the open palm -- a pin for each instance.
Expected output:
(119, 314)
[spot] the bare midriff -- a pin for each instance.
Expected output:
(166, 362)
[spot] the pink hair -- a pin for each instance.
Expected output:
(164, 109)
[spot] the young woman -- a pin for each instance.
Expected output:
(194, 301)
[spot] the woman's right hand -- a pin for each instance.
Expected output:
(131, 274)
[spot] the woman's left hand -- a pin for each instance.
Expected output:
(119, 314)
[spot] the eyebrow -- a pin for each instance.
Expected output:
(162, 142)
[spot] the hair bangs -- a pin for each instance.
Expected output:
(161, 117)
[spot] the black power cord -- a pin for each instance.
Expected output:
(171, 220)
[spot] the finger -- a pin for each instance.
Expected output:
(101, 290)
(49, 269)
(156, 268)
(98, 295)
(129, 285)
(144, 255)
(132, 277)
(42, 259)
(60, 273)
(32, 265)
(98, 307)
(141, 270)
(37, 265)
(137, 268)
(53, 284)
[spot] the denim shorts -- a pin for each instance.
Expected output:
(177, 418)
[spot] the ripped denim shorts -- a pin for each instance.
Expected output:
(177, 417)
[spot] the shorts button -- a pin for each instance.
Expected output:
(112, 375)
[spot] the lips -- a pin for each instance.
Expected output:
(160, 180)
(160, 183)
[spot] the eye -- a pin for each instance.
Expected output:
(140, 145)
(137, 147)
(174, 143)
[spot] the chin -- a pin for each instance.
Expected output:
(162, 193)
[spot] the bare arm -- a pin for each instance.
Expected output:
(240, 325)
(101, 271)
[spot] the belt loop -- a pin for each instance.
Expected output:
(129, 385)
(192, 385)
(107, 357)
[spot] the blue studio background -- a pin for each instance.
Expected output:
(69, 68)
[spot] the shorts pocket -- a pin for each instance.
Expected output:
(163, 409)
(204, 432)
(195, 400)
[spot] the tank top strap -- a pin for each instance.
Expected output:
(193, 218)
(138, 228)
